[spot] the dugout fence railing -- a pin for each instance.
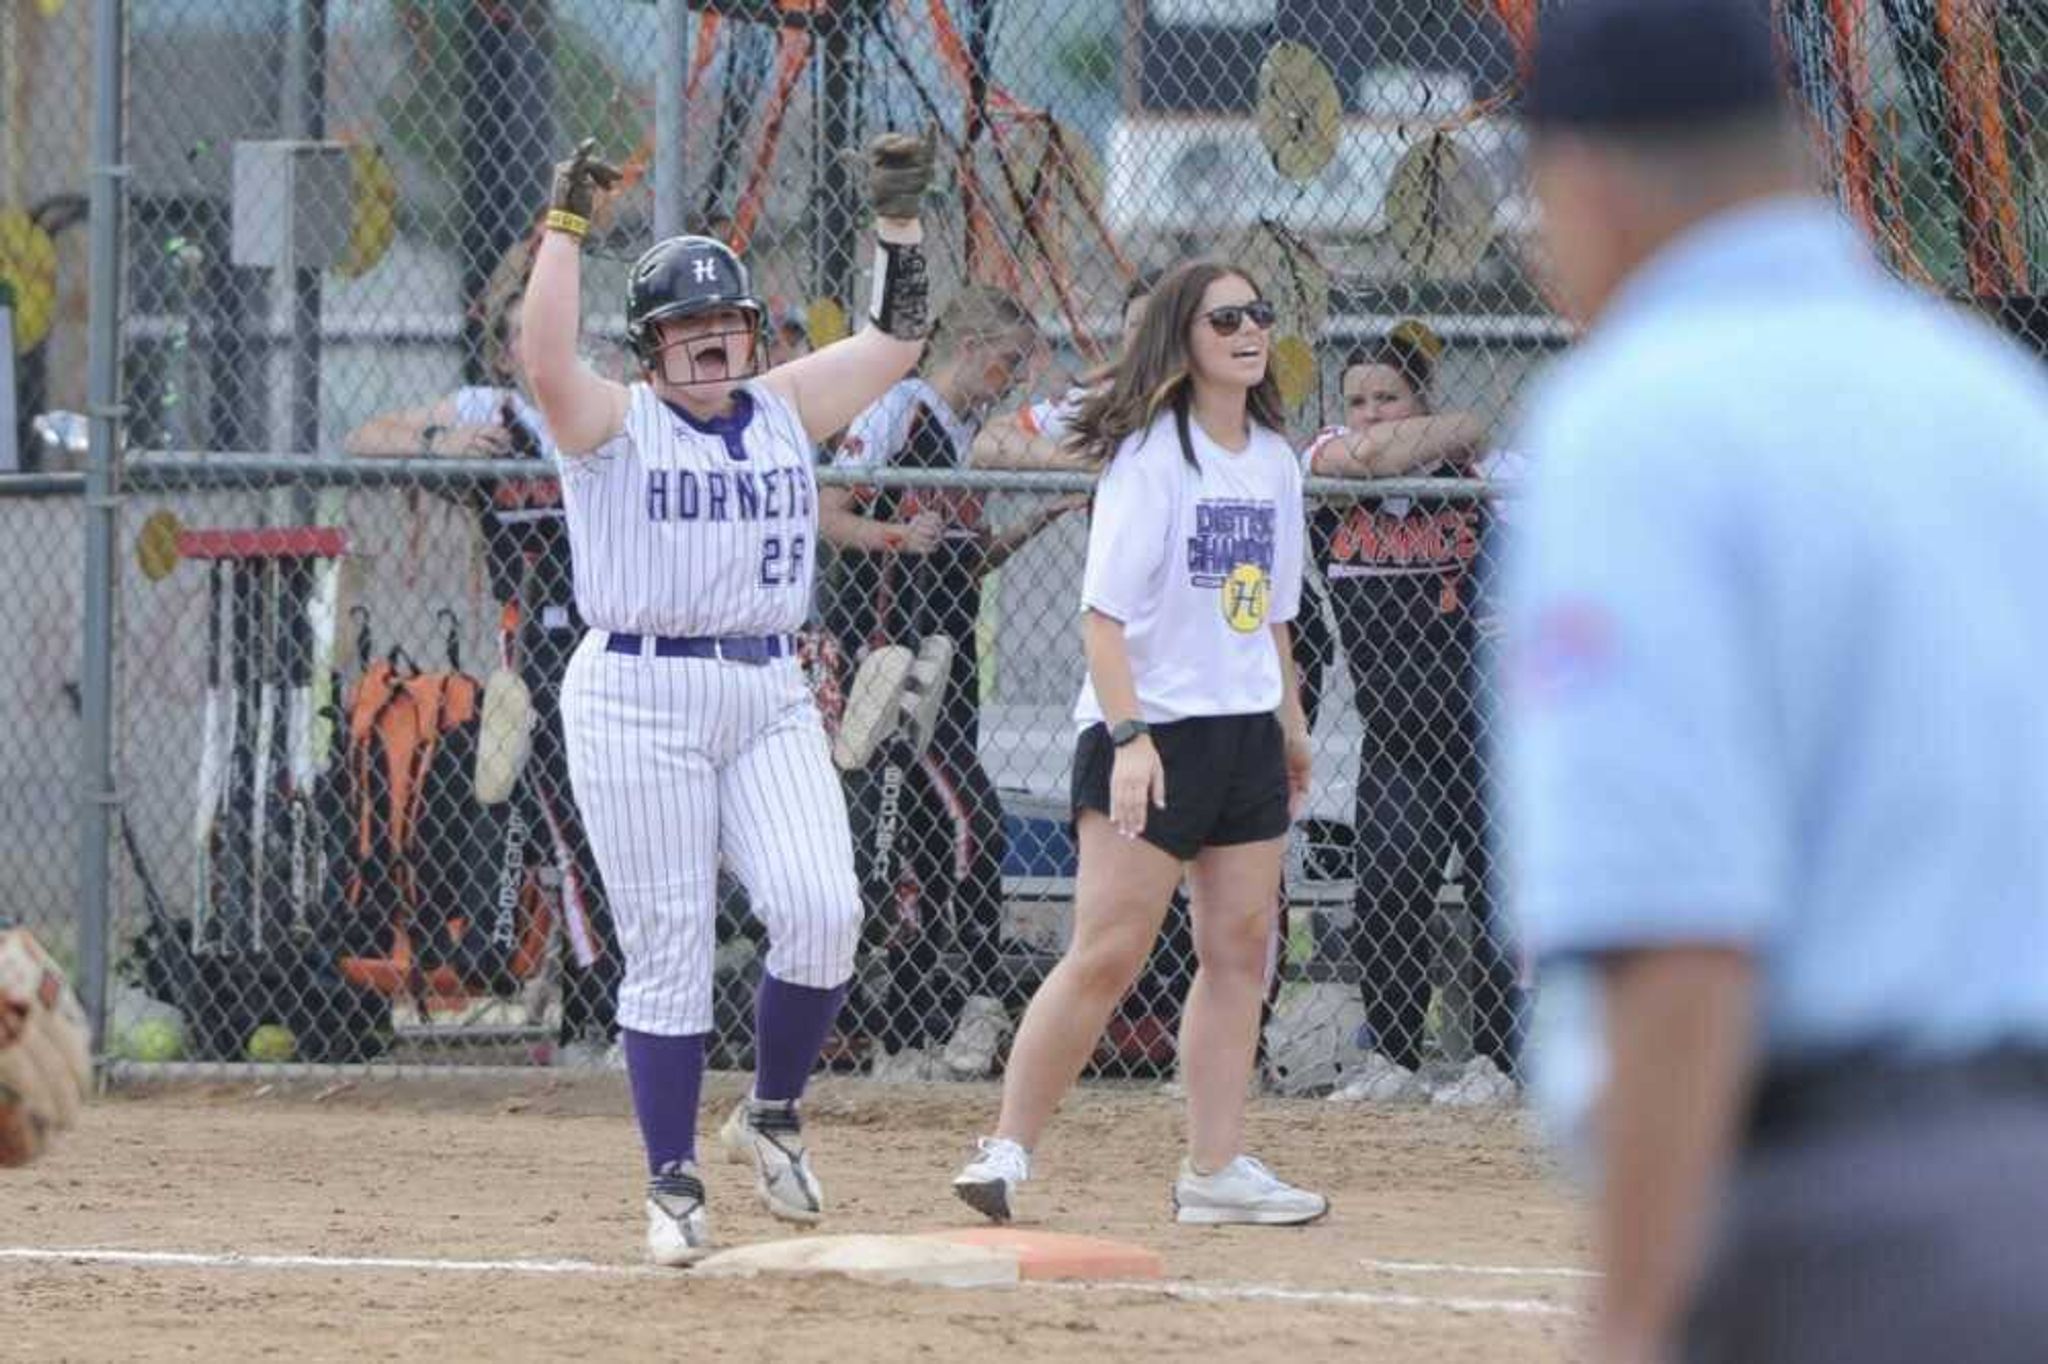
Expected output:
(397, 552)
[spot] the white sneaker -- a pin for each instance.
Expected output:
(873, 706)
(676, 1230)
(1481, 1084)
(1243, 1192)
(924, 691)
(987, 1182)
(910, 1066)
(1378, 1080)
(983, 1028)
(769, 1136)
(589, 1055)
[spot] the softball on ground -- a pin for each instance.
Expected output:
(272, 1043)
(155, 1039)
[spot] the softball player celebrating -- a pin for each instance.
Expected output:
(692, 511)
(1192, 747)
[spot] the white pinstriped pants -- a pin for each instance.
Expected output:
(679, 762)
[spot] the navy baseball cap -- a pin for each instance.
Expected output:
(1627, 64)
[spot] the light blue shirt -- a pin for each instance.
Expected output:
(1778, 664)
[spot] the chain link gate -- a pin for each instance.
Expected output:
(341, 549)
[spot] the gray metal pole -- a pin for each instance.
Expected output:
(309, 120)
(833, 248)
(102, 505)
(670, 112)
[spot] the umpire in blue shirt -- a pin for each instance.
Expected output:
(1777, 737)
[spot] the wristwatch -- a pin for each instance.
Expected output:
(1125, 731)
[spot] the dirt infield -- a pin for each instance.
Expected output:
(1431, 1208)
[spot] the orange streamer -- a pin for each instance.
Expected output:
(1994, 245)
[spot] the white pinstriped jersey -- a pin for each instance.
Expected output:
(680, 527)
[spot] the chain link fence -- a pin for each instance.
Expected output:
(341, 552)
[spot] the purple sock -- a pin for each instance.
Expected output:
(790, 1023)
(667, 1074)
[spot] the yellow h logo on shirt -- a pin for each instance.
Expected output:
(1245, 595)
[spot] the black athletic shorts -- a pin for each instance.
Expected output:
(1226, 781)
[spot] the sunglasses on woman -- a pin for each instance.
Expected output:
(1227, 320)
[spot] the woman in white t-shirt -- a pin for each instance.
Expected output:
(1192, 751)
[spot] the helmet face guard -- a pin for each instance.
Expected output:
(685, 277)
(660, 358)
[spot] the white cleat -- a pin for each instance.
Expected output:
(504, 737)
(769, 1137)
(909, 1066)
(1244, 1192)
(989, 1181)
(874, 706)
(924, 691)
(977, 1038)
(1378, 1080)
(677, 1233)
(1482, 1084)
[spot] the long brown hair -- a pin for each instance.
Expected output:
(1154, 372)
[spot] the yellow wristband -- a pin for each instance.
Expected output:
(562, 220)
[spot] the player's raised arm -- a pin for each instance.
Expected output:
(582, 409)
(831, 386)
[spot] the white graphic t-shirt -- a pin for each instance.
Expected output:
(1196, 562)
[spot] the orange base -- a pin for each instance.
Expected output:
(1056, 1255)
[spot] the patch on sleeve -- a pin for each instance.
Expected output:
(1563, 653)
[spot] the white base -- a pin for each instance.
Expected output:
(876, 1259)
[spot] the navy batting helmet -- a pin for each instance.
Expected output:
(685, 277)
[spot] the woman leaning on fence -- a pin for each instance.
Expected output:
(1402, 579)
(1192, 749)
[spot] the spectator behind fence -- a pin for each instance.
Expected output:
(1035, 435)
(526, 554)
(915, 574)
(1401, 581)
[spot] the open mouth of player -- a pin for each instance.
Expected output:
(710, 363)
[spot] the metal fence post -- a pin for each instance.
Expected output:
(102, 505)
(670, 111)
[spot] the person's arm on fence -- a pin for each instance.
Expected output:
(878, 433)
(1011, 445)
(829, 387)
(1392, 448)
(582, 409)
(845, 528)
(1033, 437)
(436, 430)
